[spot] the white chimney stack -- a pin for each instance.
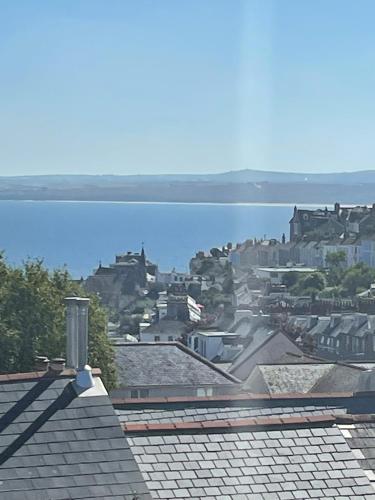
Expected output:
(77, 340)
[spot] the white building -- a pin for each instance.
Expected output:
(275, 275)
(213, 344)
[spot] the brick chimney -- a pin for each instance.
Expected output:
(77, 340)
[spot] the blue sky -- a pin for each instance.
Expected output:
(160, 86)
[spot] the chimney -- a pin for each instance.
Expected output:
(41, 363)
(57, 365)
(77, 340)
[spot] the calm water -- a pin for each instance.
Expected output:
(81, 234)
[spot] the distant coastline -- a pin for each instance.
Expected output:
(198, 203)
(246, 187)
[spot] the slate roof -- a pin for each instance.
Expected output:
(167, 326)
(56, 445)
(261, 464)
(305, 377)
(171, 363)
(264, 349)
(285, 378)
(361, 439)
(200, 413)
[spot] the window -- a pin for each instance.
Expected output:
(157, 338)
(170, 338)
(139, 393)
(202, 391)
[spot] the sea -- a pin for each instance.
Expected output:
(79, 235)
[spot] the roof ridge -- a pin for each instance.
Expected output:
(254, 423)
(231, 397)
(19, 376)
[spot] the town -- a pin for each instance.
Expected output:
(252, 376)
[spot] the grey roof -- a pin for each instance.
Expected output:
(155, 364)
(285, 464)
(340, 378)
(204, 413)
(361, 439)
(167, 326)
(56, 445)
(285, 378)
(304, 378)
(263, 349)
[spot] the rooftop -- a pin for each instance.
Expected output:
(166, 363)
(58, 444)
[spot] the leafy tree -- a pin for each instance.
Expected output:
(335, 262)
(290, 279)
(357, 277)
(336, 259)
(32, 319)
(309, 284)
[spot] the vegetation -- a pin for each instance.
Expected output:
(32, 319)
(309, 284)
(336, 282)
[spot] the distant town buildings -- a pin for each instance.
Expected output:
(313, 235)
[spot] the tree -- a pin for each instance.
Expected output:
(357, 277)
(32, 319)
(290, 278)
(309, 284)
(336, 259)
(335, 262)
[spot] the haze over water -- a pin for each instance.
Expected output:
(82, 234)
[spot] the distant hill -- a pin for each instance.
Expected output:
(228, 187)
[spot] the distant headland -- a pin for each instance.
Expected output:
(241, 186)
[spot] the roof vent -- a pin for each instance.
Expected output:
(77, 340)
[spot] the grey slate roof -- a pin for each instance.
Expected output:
(56, 445)
(361, 439)
(198, 414)
(167, 326)
(271, 465)
(154, 364)
(265, 348)
(304, 377)
(285, 378)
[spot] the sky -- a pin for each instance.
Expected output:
(188, 86)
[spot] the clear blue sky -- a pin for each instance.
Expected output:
(93, 86)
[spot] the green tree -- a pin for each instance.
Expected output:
(335, 262)
(32, 319)
(357, 277)
(309, 284)
(290, 278)
(335, 259)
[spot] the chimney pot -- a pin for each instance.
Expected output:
(41, 363)
(57, 365)
(77, 339)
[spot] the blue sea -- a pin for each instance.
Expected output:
(80, 234)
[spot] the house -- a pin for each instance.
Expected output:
(275, 275)
(126, 276)
(343, 336)
(215, 345)
(167, 369)
(165, 330)
(171, 277)
(59, 435)
(313, 376)
(252, 447)
(267, 346)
